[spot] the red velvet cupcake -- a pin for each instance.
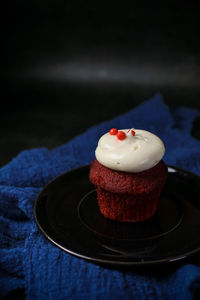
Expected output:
(128, 174)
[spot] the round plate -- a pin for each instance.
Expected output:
(67, 213)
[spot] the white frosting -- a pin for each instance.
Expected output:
(133, 154)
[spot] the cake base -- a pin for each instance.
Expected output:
(127, 208)
(128, 197)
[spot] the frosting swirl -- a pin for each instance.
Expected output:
(133, 154)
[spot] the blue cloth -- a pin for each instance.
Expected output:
(29, 261)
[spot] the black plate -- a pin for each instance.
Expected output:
(67, 213)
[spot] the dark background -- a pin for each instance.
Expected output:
(67, 65)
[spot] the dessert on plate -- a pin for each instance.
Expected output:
(129, 174)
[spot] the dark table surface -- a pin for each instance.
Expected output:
(66, 66)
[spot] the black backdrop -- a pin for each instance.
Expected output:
(66, 65)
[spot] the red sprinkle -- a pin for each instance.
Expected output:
(133, 132)
(121, 135)
(113, 131)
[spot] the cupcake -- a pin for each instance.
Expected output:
(129, 174)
